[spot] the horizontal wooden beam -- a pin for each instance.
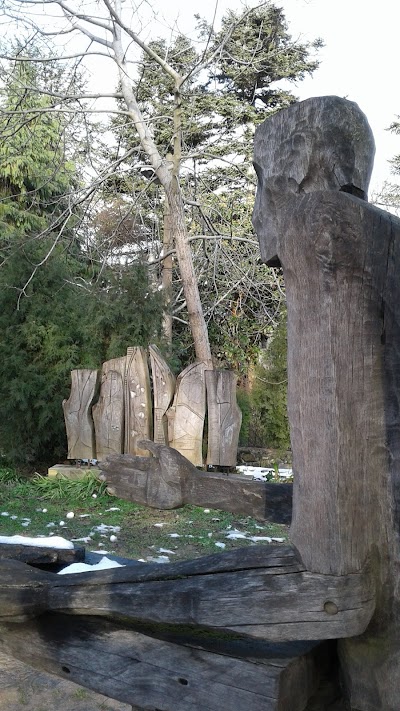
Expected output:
(259, 592)
(133, 668)
(40, 555)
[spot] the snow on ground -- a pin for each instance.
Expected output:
(103, 564)
(263, 473)
(41, 542)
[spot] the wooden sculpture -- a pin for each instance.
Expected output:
(77, 415)
(108, 413)
(341, 259)
(163, 392)
(224, 418)
(340, 578)
(168, 480)
(187, 413)
(137, 398)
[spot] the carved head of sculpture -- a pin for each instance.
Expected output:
(321, 144)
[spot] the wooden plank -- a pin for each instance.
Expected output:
(187, 413)
(77, 414)
(40, 556)
(163, 392)
(170, 480)
(137, 401)
(108, 413)
(258, 592)
(155, 674)
(224, 418)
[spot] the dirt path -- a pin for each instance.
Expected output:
(25, 689)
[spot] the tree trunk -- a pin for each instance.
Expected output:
(197, 321)
(166, 278)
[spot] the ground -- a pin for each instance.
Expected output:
(25, 689)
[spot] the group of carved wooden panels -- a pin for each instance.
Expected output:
(170, 412)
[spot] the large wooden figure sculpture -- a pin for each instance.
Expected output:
(340, 579)
(187, 413)
(341, 262)
(108, 412)
(224, 418)
(163, 392)
(77, 414)
(137, 400)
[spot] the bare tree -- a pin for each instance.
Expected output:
(117, 32)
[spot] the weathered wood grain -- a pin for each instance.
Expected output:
(137, 400)
(169, 480)
(224, 418)
(155, 674)
(187, 413)
(258, 592)
(108, 413)
(340, 259)
(163, 392)
(40, 556)
(77, 414)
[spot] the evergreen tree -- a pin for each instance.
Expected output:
(70, 315)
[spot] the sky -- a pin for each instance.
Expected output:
(359, 60)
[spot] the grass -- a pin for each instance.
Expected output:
(39, 506)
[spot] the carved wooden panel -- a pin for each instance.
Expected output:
(108, 413)
(77, 414)
(224, 418)
(186, 416)
(163, 392)
(138, 406)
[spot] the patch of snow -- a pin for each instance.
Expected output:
(206, 510)
(70, 514)
(94, 496)
(256, 539)
(5, 513)
(220, 545)
(261, 473)
(113, 539)
(84, 515)
(103, 564)
(278, 540)
(158, 559)
(113, 508)
(62, 523)
(85, 539)
(235, 535)
(165, 550)
(54, 542)
(101, 552)
(102, 528)
(174, 535)
(158, 525)
(210, 535)
(50, 525)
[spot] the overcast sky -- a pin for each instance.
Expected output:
(359, 61)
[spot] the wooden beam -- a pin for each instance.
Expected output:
(260, 592)
(154, 674)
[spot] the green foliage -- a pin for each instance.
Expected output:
(55, 328)
(57, 312)
(244, 402)
(269, 421)
(53, 489)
